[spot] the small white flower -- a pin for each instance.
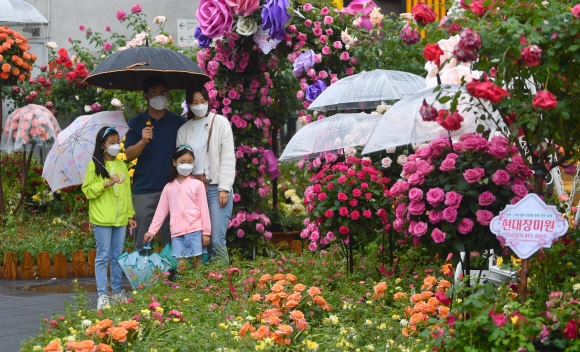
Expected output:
(402, 159)
(576, 287)
(86, 323)
(159, 19)
(246, 26)
(88, 108)
(51, 45)
(99, 90)
(103, 56)
(386, 162)
(76, 97)
(404, 322)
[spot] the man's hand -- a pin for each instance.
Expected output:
(147, 134)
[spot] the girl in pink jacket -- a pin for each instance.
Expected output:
(185, 200)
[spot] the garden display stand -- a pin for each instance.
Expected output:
(493, 273)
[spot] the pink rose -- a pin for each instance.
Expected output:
(447, 165)
(341, 179)
(416, 208)
(342, 196)
(453, 199)
(531, 55)
(367, 214)
(473, 175)
(420, 228)
(356, 192)
(486, 198)
(438, 236)
(353, 202)
(244, 7)
(435, 196)
(498, 151)
(501, 177)
(329, 213)
(399, 225)
(424, 167)
(424, 153)
(435, 216)
(449, 214)
(515, 200)
(484, 217)
(400, 211)
(410, 167)
(355, 215)
(215, 17)
(321, 196)
(307, 7)
(326, 50)
(343, 211)
(465, 226)
(545, 100)
(520, 190)
(416, 179)
(415, 194)
(576, 11)
(499, 140)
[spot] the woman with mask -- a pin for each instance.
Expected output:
(211, 139)
(151, 140)
(108, 189)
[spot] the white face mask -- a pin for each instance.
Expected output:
(158, 103)
(199, 110)
(113, 149)
(185, 169)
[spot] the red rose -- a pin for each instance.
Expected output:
(423, 13)
(571, 330)
(329, 213)
(355, 215)
(343, 230)
(531, 55)
(477, 7)
(428, 112)
(449, 121)
(486, 90)
(367, 214)
(433, 52)
(356, 192)
(545, 100)
(342, 196)
(343, 211)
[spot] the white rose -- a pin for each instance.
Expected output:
(159, 19)
(246, 26)
(406, 16)
(99, 90)
(103, 56)
(391, 150)
(386, 162)
(161, 39)
(117, 103)
(51, 45)
(349, 152)
(88, 108)
(402, 159)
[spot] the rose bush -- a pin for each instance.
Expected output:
(448, 196)
(15, 60)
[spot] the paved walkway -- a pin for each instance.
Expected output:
(22, 302)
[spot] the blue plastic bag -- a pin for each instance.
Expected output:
(140, 269)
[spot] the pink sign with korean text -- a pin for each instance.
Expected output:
(528, 225)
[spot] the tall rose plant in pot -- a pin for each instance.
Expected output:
(347, 202)
(449, 195)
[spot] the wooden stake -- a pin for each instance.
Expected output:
(524, 280)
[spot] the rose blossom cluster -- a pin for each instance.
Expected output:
(451, 195)
(251, 222)
(356, 185)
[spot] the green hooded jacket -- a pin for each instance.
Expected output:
(111, 206)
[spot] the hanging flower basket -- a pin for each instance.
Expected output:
(15, 60)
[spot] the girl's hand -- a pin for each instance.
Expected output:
(205, 240)
(148, 237)
(223, 197)
(132, 224)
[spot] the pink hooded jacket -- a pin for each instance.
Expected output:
(187, 205)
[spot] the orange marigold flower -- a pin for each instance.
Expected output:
(296, 315)
(278, 277)
(102, 347)
(82, 346)
(416, 318)
(53, 346)
(399, 296)
(313, 291)
(284, 330)
(299, 288)
(118, 333)
(247, 327)
(256, 297)
(129, 324)
(416, 298)
(277, 288)
(262, 332)
(292, 278)
(265, 278)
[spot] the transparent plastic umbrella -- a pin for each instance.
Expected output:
(367, 90)
(28, 126)
(331, 133)
(402, 123)
(68, 159)
(19, 11)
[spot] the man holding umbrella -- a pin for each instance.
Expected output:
(151, 140)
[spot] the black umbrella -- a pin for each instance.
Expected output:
(127, 69)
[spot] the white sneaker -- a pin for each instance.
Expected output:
(119, 297)
(103, 302)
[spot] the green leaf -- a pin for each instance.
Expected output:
(573, 47)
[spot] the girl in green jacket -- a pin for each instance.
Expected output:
(108, 189)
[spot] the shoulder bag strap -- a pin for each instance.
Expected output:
(207, 146)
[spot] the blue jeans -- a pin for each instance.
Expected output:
(110, 240)
(219, 224)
